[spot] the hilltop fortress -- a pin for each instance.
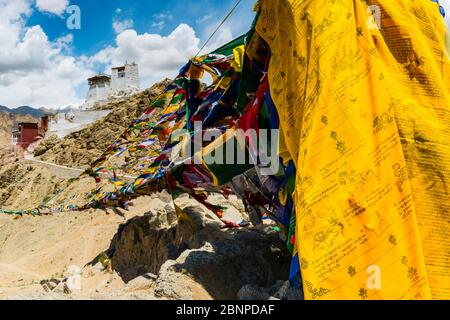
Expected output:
(103, 88)
(122, 82)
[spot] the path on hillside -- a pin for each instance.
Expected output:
(67, 172)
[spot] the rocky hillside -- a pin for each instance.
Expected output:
(159, 248)
(26, 185)
(79, 149)
(143, 253)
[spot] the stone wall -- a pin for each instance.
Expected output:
(77, 121)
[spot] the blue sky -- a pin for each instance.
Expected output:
(151, 16)
(44, 63)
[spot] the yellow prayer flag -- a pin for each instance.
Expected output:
(362, 91)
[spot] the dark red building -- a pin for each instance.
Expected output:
(25, 134)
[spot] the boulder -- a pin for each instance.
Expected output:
(221, 268)
(196, 257)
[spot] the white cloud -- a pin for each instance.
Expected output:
(120, 26)
(203, 19)
(40, 72)
(158, 56)
(52, 6)
(65, 42)
(224, 35)
(33, 70)
(160, 19)
(159, 25)
(163, 16)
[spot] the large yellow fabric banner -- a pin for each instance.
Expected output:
(362, 90)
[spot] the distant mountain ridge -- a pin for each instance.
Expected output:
(24, 110)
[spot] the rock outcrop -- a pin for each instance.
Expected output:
(195, 258)
(25, 186)
(163, 248)
(46, 145)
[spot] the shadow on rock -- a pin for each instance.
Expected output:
(224, 266)
(195, 257)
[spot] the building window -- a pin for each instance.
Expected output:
(121, 74)
(15, 138)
